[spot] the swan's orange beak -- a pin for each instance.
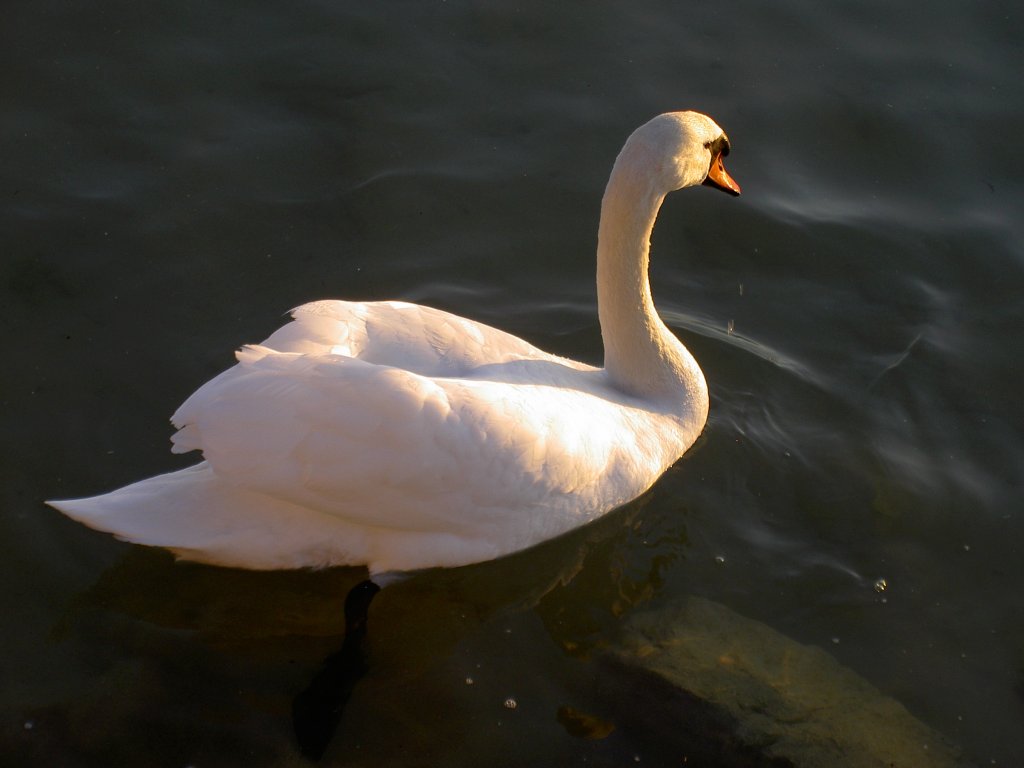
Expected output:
(719, 178)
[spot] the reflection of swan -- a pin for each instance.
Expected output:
(403, 437)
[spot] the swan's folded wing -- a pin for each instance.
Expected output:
(420, 339)
(385, 447)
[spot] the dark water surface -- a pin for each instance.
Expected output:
(175, 176)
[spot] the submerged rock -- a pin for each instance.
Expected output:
(583, 726)
(788, 700)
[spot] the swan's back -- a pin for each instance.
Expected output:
(421, 339)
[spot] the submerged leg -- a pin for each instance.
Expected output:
(317, 710)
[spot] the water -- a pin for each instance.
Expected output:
(177, 175)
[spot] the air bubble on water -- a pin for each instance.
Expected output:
(511, 703)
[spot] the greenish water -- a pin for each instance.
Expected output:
(176, 176)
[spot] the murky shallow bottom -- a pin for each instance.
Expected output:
(503, 662)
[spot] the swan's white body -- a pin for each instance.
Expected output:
(402, 437)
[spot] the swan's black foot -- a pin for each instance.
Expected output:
(317, 710)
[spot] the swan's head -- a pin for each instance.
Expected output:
(682, 149)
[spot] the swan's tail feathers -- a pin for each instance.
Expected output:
(200, 517)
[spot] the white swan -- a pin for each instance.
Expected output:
(401, 437)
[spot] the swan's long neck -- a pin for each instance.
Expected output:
(641, 355)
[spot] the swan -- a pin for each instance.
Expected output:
(399, 437)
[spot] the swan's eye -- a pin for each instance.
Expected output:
(719, 146)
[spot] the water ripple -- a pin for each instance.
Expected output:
(746, 344)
